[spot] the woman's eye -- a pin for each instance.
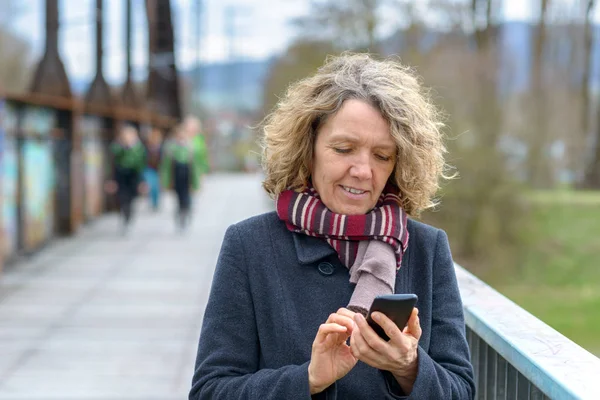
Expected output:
(383, 157)
(341, 151)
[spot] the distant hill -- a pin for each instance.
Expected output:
(238, 84)
(221, 84)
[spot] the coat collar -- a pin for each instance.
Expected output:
(311, 249)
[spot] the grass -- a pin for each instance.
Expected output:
(558, 279)
(565, 196)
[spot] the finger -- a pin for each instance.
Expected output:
(358, 344)
(389, 327)
(413, 327)
(327, 329)
(361, 349)
(348, 322)
(370, 336)
(345, 312)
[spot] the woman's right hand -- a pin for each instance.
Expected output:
(331, 357)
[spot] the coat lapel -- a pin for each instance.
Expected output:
(310, 249)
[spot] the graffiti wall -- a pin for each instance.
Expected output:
(93, 161)
(38, 176)
(8, 179)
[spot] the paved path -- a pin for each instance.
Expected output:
(102, 316)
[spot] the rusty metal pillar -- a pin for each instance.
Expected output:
(130, 98)
(99, 97)
(163, 80)
(99, 92)
(51, 79)
(50, 76)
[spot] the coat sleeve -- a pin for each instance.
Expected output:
(227, 363)
(200, 155)
(445, 372)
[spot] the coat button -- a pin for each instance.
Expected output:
(326, 268)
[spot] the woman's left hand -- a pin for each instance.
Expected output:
(398, 355)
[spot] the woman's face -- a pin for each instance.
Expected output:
(354, 156)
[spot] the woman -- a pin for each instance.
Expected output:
(349, 154)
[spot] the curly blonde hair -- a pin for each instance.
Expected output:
(290, 130)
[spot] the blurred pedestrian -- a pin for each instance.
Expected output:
(154, 148)
(128, 159)
(177, 172)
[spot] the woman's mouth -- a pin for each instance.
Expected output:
(353, 191)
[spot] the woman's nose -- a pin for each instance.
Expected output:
(361, 168)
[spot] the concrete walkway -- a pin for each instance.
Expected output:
(102, 316)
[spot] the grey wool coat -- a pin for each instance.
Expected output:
(273, 288)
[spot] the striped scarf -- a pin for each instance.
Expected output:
(305, 213)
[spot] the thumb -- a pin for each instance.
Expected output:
(413, 327)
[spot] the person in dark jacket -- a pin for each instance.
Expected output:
(352, 156)
(128, 159)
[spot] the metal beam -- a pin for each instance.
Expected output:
(163, 79)
(50, 76)
(99, 92)
(130, 97)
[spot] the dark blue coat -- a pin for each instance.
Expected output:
(272, 289)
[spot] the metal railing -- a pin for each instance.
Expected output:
(517, 356)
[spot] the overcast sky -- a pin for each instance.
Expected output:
(260, 28)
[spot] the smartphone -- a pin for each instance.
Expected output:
(396, 307)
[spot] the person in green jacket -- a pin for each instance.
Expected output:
(128, 159)
(178, 172)
(193, 127)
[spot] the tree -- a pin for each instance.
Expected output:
(538, 171)
(350, 24)
(481, 210)
(300, 60)
(587, 55)
(481, 10)
(15, 65)
(592, 172)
